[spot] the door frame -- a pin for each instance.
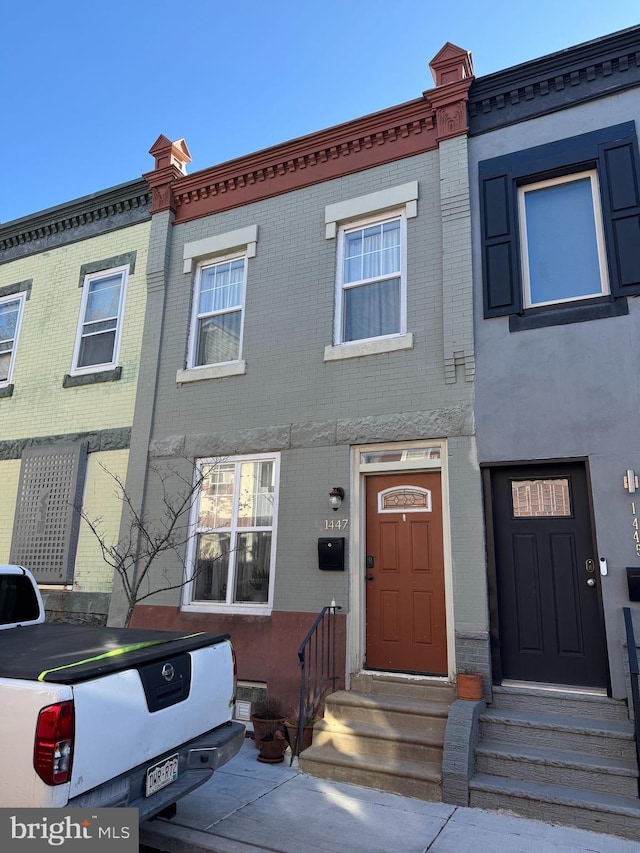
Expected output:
(356, 616)
(492, 568)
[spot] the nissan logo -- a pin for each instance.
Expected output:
(168, 672)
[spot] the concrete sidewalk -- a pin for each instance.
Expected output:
(248, 806)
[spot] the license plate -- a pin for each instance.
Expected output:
(162, 774)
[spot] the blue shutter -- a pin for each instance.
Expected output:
(500, 265)
(620, 192)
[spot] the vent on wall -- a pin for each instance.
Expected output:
(243, 711)
(247, 694)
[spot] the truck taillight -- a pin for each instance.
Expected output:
(53, 750)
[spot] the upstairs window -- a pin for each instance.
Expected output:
(218, 312)
(371, 296)
(563, 255)
(560, 227)
(10, 317)
(100, 324)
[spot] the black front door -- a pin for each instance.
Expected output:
(550, 619)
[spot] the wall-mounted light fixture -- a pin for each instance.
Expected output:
(336, 496)
(630, 481)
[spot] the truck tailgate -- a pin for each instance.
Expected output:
(66, 654)
(121, 722)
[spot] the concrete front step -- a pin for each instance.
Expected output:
(357, 738)
(413, 688)
(409, 778)
(388, 735)
(545, 701)
(552, 766)
(399, 712)
(608, 738)
(595, 811)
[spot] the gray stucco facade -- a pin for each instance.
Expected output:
(567, 391)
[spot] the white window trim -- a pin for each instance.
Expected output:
(384, 204)
(404, 196)
(382, 343)
(242, 240)
(408, 462)
(592, 175)
(19, 297)
(233, 367)
(107, 365)
(231, 245)
(252, 609)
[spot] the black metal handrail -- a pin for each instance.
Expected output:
(633, 672)
(318, 676)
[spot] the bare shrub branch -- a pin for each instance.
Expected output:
(143, 541)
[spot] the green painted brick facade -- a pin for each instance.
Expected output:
(46, 255)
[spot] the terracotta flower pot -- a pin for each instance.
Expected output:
(469, 686)
(272, 750)
(263, 728)
(307, 736)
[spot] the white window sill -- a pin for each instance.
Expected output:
(357, 349)
(211, 371)
(228, 609)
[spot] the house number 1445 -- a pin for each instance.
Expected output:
(636, 534)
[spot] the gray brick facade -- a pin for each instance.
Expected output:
(301, 395)
(311, 411)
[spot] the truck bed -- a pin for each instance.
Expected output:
(68, 654)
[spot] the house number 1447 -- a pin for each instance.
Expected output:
(336, 523)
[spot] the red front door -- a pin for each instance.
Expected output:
(406, 618)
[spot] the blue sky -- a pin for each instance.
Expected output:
(87, 87)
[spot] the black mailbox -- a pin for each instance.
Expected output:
(331, 554)
(633, 582)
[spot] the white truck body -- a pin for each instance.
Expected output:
(144, 699)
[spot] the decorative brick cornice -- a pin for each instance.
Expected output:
(171, 160)
(400, 131)
(85, 217)
(452, 71)
(561, 80)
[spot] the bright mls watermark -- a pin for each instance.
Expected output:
(69, 829)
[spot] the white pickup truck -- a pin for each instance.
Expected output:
(95, 717)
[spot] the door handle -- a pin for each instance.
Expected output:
(369, 577)
(591, 582)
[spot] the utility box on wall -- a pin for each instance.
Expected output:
(331, 554)
(633, 582)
